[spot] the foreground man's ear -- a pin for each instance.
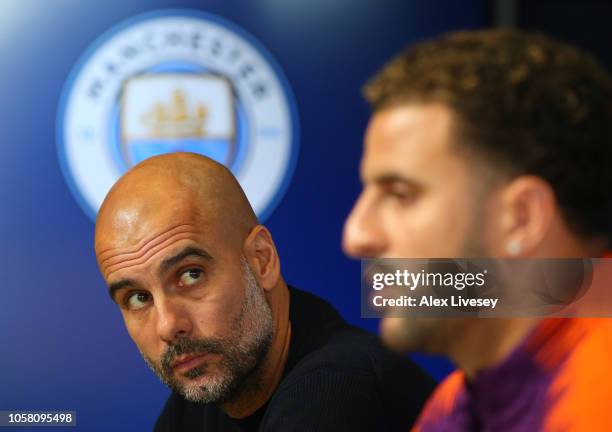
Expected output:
(528, 206)
(261, 254)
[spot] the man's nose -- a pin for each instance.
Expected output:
(173, 321)
(363, 235)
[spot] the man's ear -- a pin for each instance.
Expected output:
(528, 209)
(261, 254)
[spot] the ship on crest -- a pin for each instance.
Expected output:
(174, 120)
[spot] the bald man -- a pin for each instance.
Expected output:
(199, 285)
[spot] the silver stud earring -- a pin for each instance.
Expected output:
(513, 248)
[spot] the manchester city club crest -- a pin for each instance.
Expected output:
(173, 81)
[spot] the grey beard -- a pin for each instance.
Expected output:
(241, 355)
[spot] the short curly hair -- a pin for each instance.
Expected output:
(527, 103)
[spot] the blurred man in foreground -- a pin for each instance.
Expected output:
(199, 285)
(494, 144)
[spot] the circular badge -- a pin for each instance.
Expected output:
(177, 81)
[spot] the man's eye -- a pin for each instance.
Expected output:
(190, 277)
(137, 300)
(402, 194)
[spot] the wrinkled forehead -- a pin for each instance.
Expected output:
(130, 238)
(136, 226)
(129, 225)
(151, 206)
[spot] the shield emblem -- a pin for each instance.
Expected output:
(164, 113)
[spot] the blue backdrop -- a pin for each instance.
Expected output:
(63, 344)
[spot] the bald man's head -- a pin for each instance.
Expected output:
(195, 276)
(165, 192)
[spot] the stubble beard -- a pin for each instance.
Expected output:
(435, 335)
(241, 354)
